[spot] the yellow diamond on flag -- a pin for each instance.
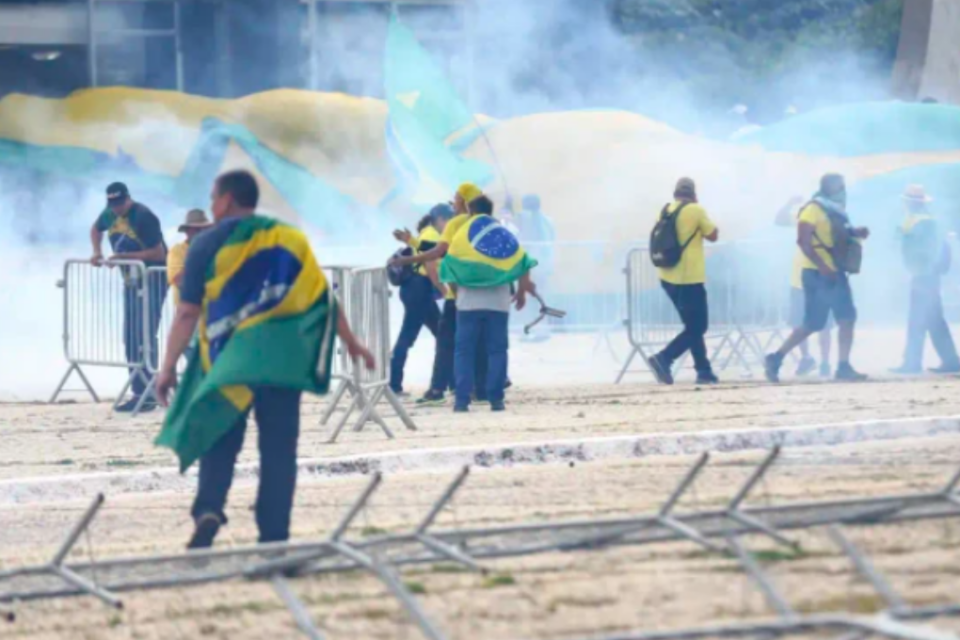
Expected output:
(409, 99)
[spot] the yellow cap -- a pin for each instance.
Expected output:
(469, 192)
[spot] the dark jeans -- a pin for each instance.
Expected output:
(134, 326)
(823, 296)
(443, 377)
(926, 316)
(419, 310)
(278, 427)
(493, 326)
(690, 301)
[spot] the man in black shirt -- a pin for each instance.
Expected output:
(134, 234)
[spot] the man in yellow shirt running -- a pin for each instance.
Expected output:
(826, 288)
(684, 283)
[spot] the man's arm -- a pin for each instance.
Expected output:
(705, 225)
(524, 286)
(153, 254)
(96, 241)
(805, 240)
(181, 332)
(437, 253)
(356, 350)
(434, 275)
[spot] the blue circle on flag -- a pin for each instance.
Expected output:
(497, 242)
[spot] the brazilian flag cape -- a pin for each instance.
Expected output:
(268, 318)
(483, 253)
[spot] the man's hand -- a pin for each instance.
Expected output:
(359, 352)
(166, 382)
(827, 272)
(520, 299)
(97, 259)
(403, 235)
(861, 233)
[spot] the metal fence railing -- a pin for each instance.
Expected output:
(106, 322)
(365, 296)
(747, 306)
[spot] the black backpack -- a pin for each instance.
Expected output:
(399, 275)
(665, 247)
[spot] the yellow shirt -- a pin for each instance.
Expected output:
(427, 235)
(454, 225)
(176, 261)
(692, 268)
(814, 215)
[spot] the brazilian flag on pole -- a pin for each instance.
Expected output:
(483, 253)
(269, 318)
(424, 112)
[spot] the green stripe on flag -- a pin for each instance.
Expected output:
(477, 275)
(294, 352)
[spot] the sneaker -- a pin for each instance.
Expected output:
(432, 398)
(825, 370)
(807, 365)
(944, 368)
(206, 530)
(707, 377)
(846, 373)
(497, 406)
(129, 405)
(660, 371)
(771, 367)
(507, 384)
(906, 371)
(459, 408)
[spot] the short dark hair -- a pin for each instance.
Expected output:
(482, 205)
(242, 186)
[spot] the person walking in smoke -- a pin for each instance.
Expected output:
(134, 234)
(788, 216)
(827, 241)
(419, 307)
(265, 318)
(926, 256)
(685, 282)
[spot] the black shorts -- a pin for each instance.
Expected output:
(825, 295)
(798, 305)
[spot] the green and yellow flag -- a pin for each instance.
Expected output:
(269, 318)
(484, 253)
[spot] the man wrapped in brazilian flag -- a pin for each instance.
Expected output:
(482, 260)
(266, 320)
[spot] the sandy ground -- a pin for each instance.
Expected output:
(549, 596)
(42, 440)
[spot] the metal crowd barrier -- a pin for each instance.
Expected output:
(747, 298)
(106, 322)
(365, 296)
(714, 529)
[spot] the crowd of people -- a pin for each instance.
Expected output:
(472, 333)
(478, 266)
(828, 252)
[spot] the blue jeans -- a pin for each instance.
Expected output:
(419, 310)
(492, 326)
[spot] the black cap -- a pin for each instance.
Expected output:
(117, 192)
